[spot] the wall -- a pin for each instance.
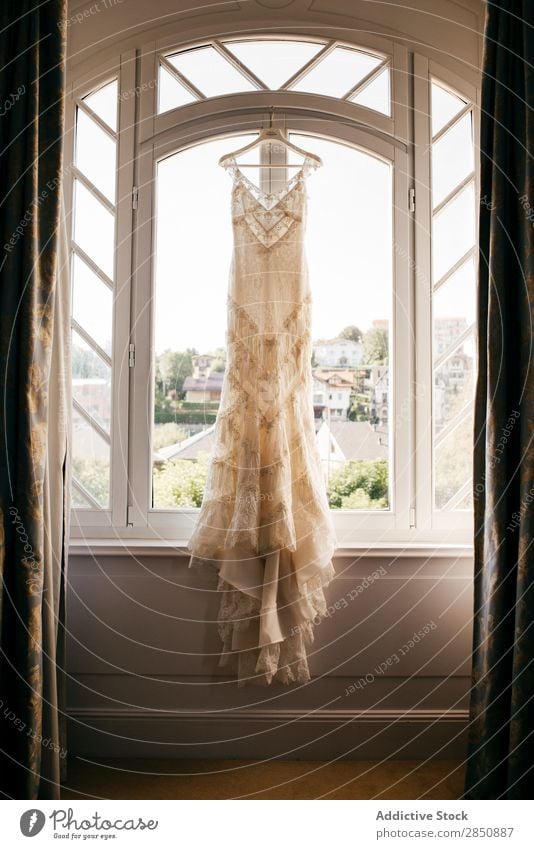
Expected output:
(144, 680)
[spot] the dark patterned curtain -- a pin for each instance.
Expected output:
(501, 743)
(34, 370)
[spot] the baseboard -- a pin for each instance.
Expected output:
(265, 734)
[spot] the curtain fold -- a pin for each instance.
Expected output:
(34, 371)
(501, 732)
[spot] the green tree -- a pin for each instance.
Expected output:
(172, 368)
(93, 474)
(85, 363)
(375, 346)
(351, 332)
(180, 483)
(219, 363)
(167, 434)
(359, 484)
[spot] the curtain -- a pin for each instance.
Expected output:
(501, 731)
(34, 371)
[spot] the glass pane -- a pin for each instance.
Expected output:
(78, 500)
(466, 502)
(376, 94)
(452, 159)
(94, 228)
(454, 385)
(274, 62)
(171, 93)
(454, 307)
(95, 154)
(453, 231)
(210, 72)
(351, 193)
(90, 459)
(453, 462)
(338, 72)
(91, 381)
(104, 103)
(445, 106)
(92, 304)
(351, 282)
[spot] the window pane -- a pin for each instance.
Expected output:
(350, 194)
(453, 231)
(90, 459)
(454, 307)
(94, 228)
(351, 282)
(210, 72)
(453, 385)
(171, 93)
(95, 154)
(453, 463)
(452, 159)
(91, 382)
(338, 72)
(376, 94)
(274, 62)
(77, 498)
(445, 105)
(104, 103)
(92, 304)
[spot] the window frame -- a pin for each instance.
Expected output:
(102, 522)
(430, 520)
(145, 136)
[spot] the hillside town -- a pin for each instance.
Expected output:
(351, 401)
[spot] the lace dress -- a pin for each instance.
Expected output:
(264, 522)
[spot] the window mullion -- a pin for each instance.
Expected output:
(123, 248)
(423, 288)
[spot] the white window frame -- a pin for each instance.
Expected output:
(145, 137)
(431, 522)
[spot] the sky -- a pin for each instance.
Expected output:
(348, 242)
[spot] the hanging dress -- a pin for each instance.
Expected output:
(265, 523)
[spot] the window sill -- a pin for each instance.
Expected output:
(166, 548)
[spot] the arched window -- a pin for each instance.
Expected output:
(391, 251)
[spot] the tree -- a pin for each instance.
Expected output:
(219, 363)
(172, 368)
(86, 364)
(375, 346)
(359, 484)
(167, 434)
(180, 483)
(351, 332)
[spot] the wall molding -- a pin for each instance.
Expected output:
(288, 734)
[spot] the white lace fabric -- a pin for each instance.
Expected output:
(264, 523)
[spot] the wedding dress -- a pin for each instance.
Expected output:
(264, 523)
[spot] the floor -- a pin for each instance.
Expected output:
(116, 778)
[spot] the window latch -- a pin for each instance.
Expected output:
(411, 200)
(131, 355)
(135, 197)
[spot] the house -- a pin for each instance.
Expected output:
(187, 449)
(337, 352)
(204, 384)
(332, 389)
(341, 441)
(372, 392)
